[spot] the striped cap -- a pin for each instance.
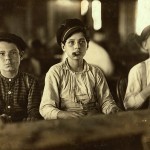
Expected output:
(69, 27)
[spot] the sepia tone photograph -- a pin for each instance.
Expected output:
(74, 75)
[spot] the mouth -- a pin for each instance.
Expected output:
(76, 53)
(8, 64)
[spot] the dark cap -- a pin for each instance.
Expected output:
(69, 27)
(18, 41)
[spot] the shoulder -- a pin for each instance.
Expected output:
(95, 69)
(56, 70)
(29, 77)
(57, 66)
(96, 72)
(138, 68)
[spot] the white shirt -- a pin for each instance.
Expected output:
(67, 90)
(134, 87)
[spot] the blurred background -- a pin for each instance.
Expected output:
(113, 24)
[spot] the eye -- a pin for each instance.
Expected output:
(70, 43)
(82, 42)
(13, 53)
(2, 53)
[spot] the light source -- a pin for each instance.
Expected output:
(96, 14)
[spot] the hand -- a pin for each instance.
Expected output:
(115, 110)
(5, 118)
(70, 114)
(30, 119)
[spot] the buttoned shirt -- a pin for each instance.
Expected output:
(20, 96)
(72, 91)
(135, 85)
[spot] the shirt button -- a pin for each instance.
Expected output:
(9, 92)
(9, 79)
(8, 106)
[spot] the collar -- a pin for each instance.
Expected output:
(66, 66)
(10, 79)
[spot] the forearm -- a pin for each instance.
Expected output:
(109, 106)
(34, 113)
(48, 112)
(61, 115)
(134, 101)
(70, 114)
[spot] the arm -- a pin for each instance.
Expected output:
(104, 96)
(135, 96)
(70, 114)
(50, 104)
(34, 98)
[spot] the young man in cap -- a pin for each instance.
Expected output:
(19, 91)
(74, 88)
(138, 88)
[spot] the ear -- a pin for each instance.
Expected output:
(63, 46)
(144, 45)
(21, 55)
(87, 45)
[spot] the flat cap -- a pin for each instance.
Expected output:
(18, 41)
(69, 27)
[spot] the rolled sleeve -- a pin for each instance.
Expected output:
(133, 92)
(104, 96)
(49, 106)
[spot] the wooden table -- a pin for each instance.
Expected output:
(122, 131)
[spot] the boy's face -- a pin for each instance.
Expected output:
(75, 46)
(9, 57)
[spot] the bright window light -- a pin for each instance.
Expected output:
(143, 15)
(84, 7)
(96, 14)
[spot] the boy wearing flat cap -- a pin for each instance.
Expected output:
(138, 88)
(19, 91)
(74, 88)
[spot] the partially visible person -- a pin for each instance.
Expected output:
(138, 88)
(74, 88)
(98, 56)
(20, 94)
(30, 64)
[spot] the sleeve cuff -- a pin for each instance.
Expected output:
(54, 113)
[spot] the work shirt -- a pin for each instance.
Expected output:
(135, 84)
(20, 96)
(75, 91)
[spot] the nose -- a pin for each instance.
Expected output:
(77, 45)
(7, 57)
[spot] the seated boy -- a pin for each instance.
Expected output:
(19, 91)
(74, 88)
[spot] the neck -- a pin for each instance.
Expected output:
(76, 65)
(9, 74)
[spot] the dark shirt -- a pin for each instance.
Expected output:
(20, 96)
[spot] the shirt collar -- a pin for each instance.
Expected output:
(9, 79)
(67, 67)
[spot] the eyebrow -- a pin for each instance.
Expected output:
(1, 50)
(78, 39)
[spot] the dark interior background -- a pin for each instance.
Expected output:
(39, 20)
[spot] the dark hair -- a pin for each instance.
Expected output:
(145, 33)
(138, 39)
(12, 38)
(69, 27)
